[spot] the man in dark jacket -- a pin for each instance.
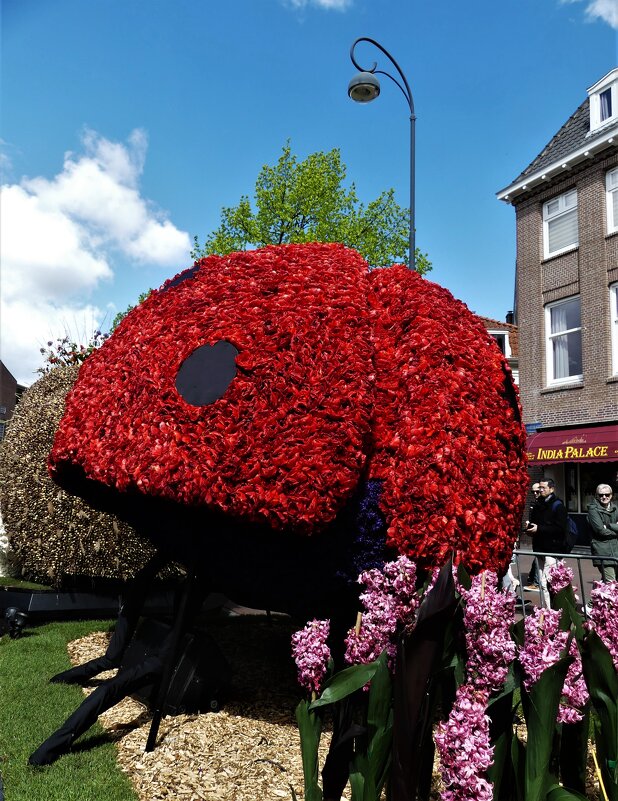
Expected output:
(549, 530)
(532, 582)
(603, 522)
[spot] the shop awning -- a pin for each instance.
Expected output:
(598, 444)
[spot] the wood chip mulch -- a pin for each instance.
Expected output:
(248, 751)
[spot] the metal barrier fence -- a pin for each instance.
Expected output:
(583, 560)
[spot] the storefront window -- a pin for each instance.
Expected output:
(581, 481)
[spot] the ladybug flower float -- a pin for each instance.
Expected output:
(281, 420)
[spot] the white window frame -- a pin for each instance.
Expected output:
(613, 312)
(549, 342)
(607, 84)
(496, 332)
(553, 210)
(611, 194)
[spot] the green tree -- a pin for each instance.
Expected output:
(121, 315)
(306, 201)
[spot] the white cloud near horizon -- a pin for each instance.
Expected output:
(328, 5)
(604, 10)
(60, 240)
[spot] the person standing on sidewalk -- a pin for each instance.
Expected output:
(603, 522)
(532, 581)
(548, 532)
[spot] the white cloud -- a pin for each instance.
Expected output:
(28, 324)
(60, 239)
(329, 5)
(604, 10)
(100, 192)
(44, 250)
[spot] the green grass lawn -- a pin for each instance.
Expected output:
(31, 709)
(20, 584)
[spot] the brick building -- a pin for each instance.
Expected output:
(566, 207)
(10, 392)
(507, 339)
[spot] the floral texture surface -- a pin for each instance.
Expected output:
(390, 603)
(311, 654)
(604, 615)
(333, 374)
(284, 443)
(545, 643)
(444, 428)
(463, 740)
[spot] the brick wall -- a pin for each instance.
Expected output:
(8, 392)
(587, 271)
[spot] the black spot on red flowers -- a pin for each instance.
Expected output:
(206, 373)
(183, 276)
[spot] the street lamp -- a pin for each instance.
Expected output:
(365, 87)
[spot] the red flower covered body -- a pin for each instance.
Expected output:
(266, 385)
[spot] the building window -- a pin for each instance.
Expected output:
(604, 100)
(611, 184)
(560, 223)
(563, 341)
(502, 341)
(605, 104)
(613, 310)
(581, 481)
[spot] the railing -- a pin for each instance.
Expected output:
(583, 560)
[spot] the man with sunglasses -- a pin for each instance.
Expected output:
(603, 522)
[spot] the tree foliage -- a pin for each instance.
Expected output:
(121, 315)
(307, 201)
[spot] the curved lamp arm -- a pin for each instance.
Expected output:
(405, 89)
(372, 90)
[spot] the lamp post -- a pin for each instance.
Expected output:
(365, 87)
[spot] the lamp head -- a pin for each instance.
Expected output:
(364, 87)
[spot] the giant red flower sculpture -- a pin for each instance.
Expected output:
(267, 386)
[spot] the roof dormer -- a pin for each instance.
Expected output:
(604, 101)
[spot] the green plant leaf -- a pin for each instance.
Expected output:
(463, 577)
(565, 600)
(357, 784)
(558, 793)
(574, 753)
(380, 724)
(518, 758)
(602, 683)
(500, 712)
(541, 710)
(310, 729)
(344, 683)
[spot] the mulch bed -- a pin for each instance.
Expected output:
(250, 749)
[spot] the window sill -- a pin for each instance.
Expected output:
(611, 234)
(613, 379)
(579, 384)
(553, 256)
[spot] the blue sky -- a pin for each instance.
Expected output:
(128, 124)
